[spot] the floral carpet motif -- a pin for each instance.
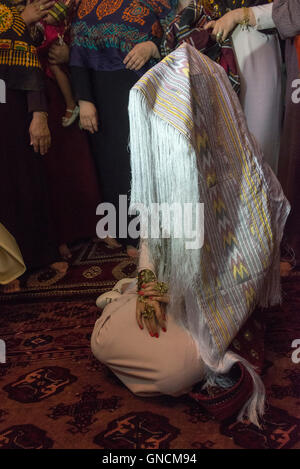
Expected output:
(54, 394)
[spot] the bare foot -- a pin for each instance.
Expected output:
(112, 243)
(64, 251)
(12, 287)
(60, 267)
(132, 251)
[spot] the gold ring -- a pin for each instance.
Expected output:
(219, 37)
(147, 315)
(41, 7)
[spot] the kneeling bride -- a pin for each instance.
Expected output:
(173, 326)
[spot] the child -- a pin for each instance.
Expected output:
(55, 28)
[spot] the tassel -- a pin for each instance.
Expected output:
(161, 159)
(164, 160)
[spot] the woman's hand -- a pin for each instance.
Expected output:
(59, 54)
(36, 10)
(223, 27)
(39, 132)
(88, 116)
(140, 55)
(154, 324)
(150, 291)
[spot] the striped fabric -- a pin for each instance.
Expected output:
(188, 103)
(18, 53)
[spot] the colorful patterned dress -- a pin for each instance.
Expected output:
(105, 31)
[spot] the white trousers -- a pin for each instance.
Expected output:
(148, 366)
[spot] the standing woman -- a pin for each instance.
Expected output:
(286, 16)
(258, 55)
(25, 138)
(113, 44)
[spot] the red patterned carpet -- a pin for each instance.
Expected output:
(54, 394)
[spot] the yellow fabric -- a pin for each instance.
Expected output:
(11, 260)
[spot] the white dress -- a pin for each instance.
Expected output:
(148, 366)
(259, 62)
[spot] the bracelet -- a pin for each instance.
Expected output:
(59, 11)
(162, 288)
(246, 18)
(145, 276)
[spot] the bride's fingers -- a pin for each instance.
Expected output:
(160, 317)
(154, 326)
(139, 315)
(149, 292)
(148, 285)
(151, 287)
(149, 325)
(162, 299)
